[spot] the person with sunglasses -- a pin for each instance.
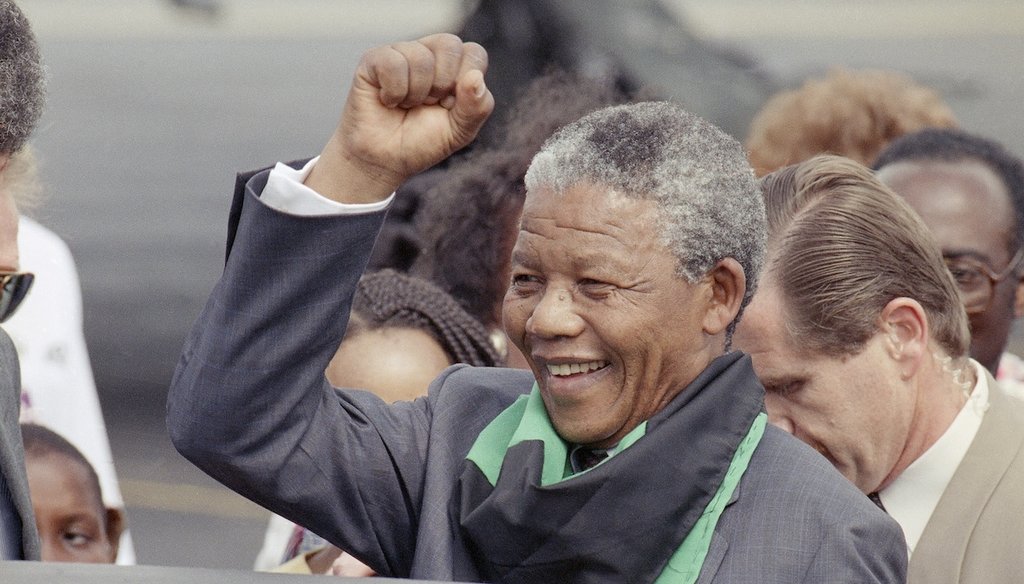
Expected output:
(21, 103)
(969, 191)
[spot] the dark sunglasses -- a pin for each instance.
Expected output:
(14, 287)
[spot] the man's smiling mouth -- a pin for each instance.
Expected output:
(566, 369)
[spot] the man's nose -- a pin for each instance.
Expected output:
(555, 316)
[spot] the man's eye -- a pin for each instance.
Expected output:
(524, 280)
(785, 388)
(596, 288)
(76, 538)
(964, 275)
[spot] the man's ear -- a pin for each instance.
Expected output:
(905, 324)
(115, 526)
(728, 284)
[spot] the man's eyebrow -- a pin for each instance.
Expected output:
(955, 254)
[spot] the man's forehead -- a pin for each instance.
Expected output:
(963, 203)
(588, 209)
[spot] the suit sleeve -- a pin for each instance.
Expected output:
(249, 403)
(871, 550)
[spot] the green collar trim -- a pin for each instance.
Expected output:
(527, 419)
(684, 566)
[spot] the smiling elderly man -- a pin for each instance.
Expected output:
(637, 451)
(861, 341)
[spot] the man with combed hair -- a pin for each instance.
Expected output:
(860, 339)
(848, 113)
(636, 449)
(969, 191)
(21, 103)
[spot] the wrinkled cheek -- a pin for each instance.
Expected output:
(514, 317)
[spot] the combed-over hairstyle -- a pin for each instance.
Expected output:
(709, 206)
(22, 81)
(841, 246)
(848, 113)
(955, 146)
(389, 299)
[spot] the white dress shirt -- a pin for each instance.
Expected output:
(285, 192)
(913, 496)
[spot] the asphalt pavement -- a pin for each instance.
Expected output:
(152, 110)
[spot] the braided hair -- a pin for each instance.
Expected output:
(389, 299)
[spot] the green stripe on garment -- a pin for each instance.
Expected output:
(684, 565)
(527, 419)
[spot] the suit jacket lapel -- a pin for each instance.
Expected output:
(940, 552)
(719, 546)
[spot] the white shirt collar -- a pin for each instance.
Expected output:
(913, 496)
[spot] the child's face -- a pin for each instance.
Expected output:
(70, 516)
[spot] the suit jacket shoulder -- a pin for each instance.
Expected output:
(815, 525)
(976, 532)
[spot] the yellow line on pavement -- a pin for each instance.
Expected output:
(182, 498)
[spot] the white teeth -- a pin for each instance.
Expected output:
(573, 368)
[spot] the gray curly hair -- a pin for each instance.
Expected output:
(710, 207)
(22, 80)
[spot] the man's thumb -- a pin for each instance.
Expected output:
(473, 104)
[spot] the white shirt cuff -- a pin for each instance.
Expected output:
(285, 192)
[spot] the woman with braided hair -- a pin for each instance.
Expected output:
(403, 331)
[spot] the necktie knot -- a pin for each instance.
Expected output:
(586, 458)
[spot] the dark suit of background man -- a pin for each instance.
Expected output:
(21, 103)
(636, 451)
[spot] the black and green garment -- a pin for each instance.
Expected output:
(646, 514)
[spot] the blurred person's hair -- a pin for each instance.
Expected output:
(946, 145)
(841, 247)
(388, 299)
(470, 217)
(708, 204)
(22, 79)
(848, 113)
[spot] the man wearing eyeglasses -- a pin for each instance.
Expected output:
(970, 192)
(21, 101)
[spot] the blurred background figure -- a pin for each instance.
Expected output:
(848, 113)
(969, 191)
(637, 43)
(74, 524)
(57, 386)
(402, 333)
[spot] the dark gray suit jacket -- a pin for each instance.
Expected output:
(249, 405)
(12, 452)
